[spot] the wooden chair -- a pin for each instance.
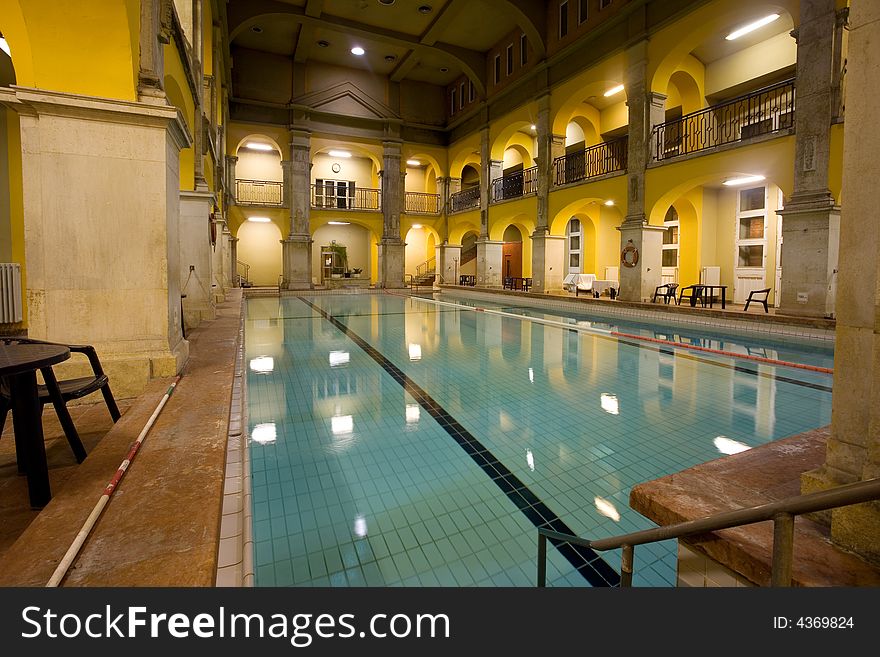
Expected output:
(665, 291)
(61, 392)
(753, 297)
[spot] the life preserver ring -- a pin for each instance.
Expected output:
(629, 257)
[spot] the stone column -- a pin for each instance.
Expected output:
(196, 257)
(152, 57)
(485, 182)
(391, 246)
(296, 249)
(98, 275)
(287, 183)
(637, 282)
(449, 263)
(231, 161)
(489, 262)
(547, 253)
(219, 256)
(557, 150)
(443, 193)
(233, 261)
(810, 218)
(853, 450)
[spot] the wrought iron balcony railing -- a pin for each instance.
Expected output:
(513, 185)
(597, 160)
(258, 192)
(345, 197)
(466, 199)
(419, 203)
(761, 112)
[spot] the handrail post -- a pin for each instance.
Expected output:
(542, 560)
(783, 549)
(626, 566)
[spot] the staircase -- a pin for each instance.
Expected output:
(425, 275)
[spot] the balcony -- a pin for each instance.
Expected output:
(345, 197)
(514, 185)
(466, 199)
(598, 160)
(419, 203)
(259, 192)
(764, 112)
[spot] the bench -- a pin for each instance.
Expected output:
(754, 296)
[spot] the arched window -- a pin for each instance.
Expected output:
(575, 245)
(670, 243)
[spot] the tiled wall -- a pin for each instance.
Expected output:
(696, 570)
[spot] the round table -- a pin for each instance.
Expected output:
(19, 364)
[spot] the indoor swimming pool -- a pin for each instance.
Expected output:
(396, 441)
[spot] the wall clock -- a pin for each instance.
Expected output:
(336, 168)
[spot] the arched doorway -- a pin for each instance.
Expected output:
(512, 253)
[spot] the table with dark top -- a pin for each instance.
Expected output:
(19, 364)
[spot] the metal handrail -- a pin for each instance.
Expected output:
(466, 199)
(597, 160)
(782, 513)
(258, 192)
(514, 185)
(760, 112)
(243, 280)
(427, 267)
(364, 198)
(421, 203)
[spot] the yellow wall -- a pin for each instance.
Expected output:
(359, 169)
(356, 240)
(415, 179)
(763, 58)
(254, 165)
(179, 95)
(16, 202)
(259, 245)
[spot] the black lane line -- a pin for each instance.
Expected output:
(430, 312)
(585, 560)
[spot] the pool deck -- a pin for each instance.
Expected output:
(163, 527)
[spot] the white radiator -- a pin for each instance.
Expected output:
(710, 276)
(10, 292)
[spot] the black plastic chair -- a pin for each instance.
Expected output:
(60, 392)
(753, 294)
(665, 292)
(693, 293)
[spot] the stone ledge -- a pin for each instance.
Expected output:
(764, 474)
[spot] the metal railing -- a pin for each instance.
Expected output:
(241, 271)
(354, 198)
(514, 185)
(258, 192)
(597, 160)
(419, 203)
(761, 112)
(466, 199)
(782, 513)
(427, 268)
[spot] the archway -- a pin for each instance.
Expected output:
(259, 246)
(512, 253)
(468, 264)
(421, 242)
(10, 171)
(259, 177)
(357, 241)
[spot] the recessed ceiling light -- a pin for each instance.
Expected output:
(257, 29)
(323, 44)
(387, 3)
(335, 153)
(533, 127)
(426, 9)
(260, 220)
(357, 50)
(414, 163)
(609, 203)
(443, 69)
(338, 223)
(257, 146)
(745, 180)
(613, 90)
(751, 27)
(417, 226)
(390, 58)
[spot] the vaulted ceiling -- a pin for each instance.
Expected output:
(433, 41)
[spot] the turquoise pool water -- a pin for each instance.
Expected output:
(397, 442)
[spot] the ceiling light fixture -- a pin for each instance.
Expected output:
(357, 50)
(613, 90)
(426, 9)
(335, 153)
(323, 44)
(751, 27)
(257, 146)
(413, 163)
(4, 46)
(609, 203)
(745, 180)
(387, 3)
(257, 29)
(338, 223)
(417, 226)
(533, 127)
(259, 220)
(443, 69)
(390, 58)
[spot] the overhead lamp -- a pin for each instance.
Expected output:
(4, 46)
(533, 127)
(323, 44)
(335, 153)
(357, 50)
(260, 220)
(417, 226)
(751, 27)
(444, 69)
(257, 146)
(257, 29)
(745, 180)
(338, 223)
(414, 163)
(613, 90)
(426, 9)
(609, 203)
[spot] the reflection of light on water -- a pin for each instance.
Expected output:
(607, 509)
(609, 403)
(360, 526)
(415, 352)
(413, 413)
(504, 421)
(262, 364)
(530, 460)
(727, 445)
(341, 424)
(338, 358)
(531, 375)
(264, 434)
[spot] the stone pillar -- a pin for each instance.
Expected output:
(233, 261)
(548, 253)
(231, 161)
(96, 275)
(296, 249)
(557, 150)
(489, 262)
(196, 257)
(810, 218)
(152, 57)
(287, 183)
(637, 282)
(853, 450)
(548, 261)
(449, 263)
(219, 256)
(485, 183)
(391, 246)
(443, 193)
